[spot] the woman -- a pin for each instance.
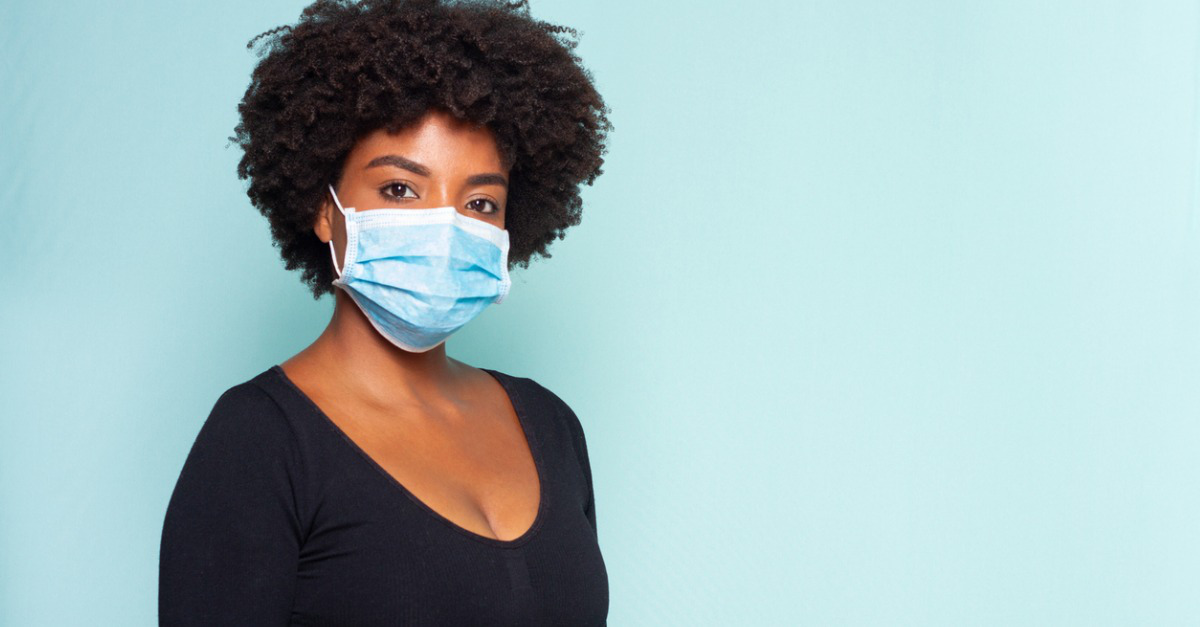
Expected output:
(406, 153)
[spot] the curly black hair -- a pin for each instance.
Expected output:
(350, 68)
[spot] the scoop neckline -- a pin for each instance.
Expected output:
(534, 444)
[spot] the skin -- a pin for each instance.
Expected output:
(444, 430)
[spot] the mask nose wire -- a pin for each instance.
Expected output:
(332, 252)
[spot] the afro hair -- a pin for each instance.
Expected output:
(347, 69)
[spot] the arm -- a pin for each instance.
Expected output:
(231, 535)
(580, 442)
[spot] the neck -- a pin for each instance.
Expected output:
(358, 357)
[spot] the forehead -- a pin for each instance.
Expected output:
(437, 140)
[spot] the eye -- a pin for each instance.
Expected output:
(481, 208)
(386, 191)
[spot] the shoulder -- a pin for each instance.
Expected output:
(247, 396)
(237, 515)
(245, 452)
(247, 416)
(534, 393)
(539, 400)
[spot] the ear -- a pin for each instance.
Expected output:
(323, 224)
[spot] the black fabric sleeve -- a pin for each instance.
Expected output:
(232, 532)
(580, 442)
(590, 511)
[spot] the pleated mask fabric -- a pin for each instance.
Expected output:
(419, 275)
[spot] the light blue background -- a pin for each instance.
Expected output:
(882, 313)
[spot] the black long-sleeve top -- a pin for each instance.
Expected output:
(279, 518)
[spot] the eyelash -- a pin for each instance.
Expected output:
(495, 207)
(382, 192)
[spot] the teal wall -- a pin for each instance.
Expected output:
(882, 313)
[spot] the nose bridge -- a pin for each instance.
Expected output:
(441, 193)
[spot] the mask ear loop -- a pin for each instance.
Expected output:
(332, 253)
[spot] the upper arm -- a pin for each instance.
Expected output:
(579, 440)
(585, 463)
(231, 535)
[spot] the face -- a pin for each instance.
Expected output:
(439, 161)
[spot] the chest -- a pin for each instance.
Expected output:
(373, 551)
(475, 469)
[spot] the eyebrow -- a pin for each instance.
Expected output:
(491, 178)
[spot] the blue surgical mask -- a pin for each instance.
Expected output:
(421, 274)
